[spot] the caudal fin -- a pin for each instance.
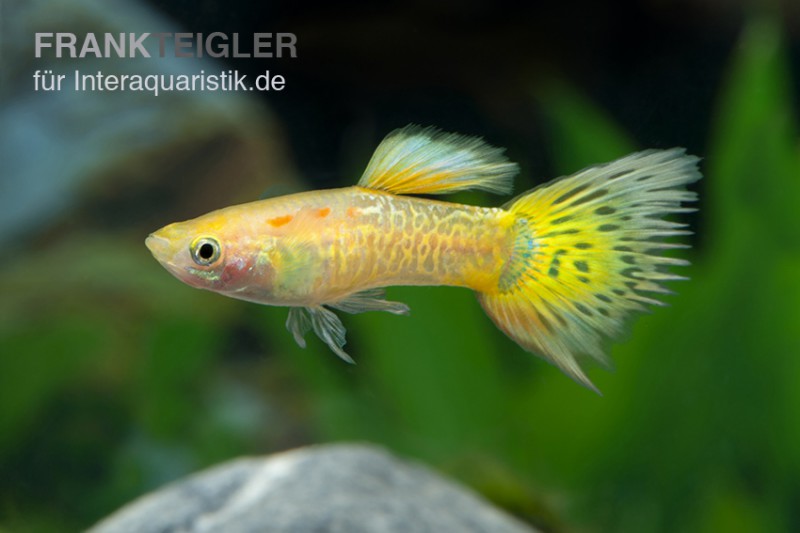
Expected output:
(587, 248)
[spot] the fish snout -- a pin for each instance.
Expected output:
(158, 245)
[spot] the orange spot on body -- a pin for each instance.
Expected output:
(280, 221)
(352, 212)
(325, 211)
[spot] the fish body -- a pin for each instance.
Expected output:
(368, 239)
(556, 269)
(316, 247)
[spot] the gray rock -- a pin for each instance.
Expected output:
(333, 488)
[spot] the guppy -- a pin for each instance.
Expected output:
(556, 269)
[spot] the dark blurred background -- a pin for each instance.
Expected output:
(472, 66)
(115, 378)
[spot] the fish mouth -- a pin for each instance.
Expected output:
(158, 246)
(163, 251)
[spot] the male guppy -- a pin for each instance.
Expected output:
(556, 269)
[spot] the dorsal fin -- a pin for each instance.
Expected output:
(417, 160)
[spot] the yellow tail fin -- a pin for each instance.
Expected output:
(586, 248)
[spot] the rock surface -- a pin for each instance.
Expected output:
(343, 488)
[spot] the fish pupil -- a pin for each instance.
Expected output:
(206, 251)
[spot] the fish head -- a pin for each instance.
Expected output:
(213, 253)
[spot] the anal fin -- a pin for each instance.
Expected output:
(369, 300)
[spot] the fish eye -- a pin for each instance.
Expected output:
(205, 251)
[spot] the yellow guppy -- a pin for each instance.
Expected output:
(556, 269)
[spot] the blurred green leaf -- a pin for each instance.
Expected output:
(753, 159)
(580, 134)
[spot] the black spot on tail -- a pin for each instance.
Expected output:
(605, 210)
(557, 233)
(619, 175)
(556, 314)
(555, 263)
(546, 323)
(599, 193)
(632, 272)
(569, 194)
